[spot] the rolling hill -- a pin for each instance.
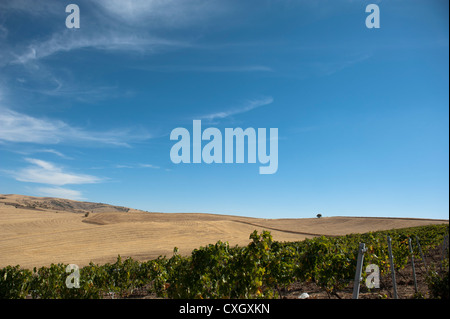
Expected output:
(38, 231)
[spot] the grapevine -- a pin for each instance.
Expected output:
(258, 270)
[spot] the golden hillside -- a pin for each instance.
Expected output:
(37, 231)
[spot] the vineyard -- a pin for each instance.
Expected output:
(262, 269)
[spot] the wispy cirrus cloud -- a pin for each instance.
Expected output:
(67, 41)
(59, 192)
(21, 128)
(329, 68)
(45, 8)
(123, 27)
(245, 107)
(162, 13)
(3, 32)
(110, 25)
(208, 68)
(55, 152)
(33, 150)
(141, 165)
(44, 172)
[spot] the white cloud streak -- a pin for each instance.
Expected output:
(120, 25)
(110, 41)
(3, 32)
(22, 128)
(43, 8)
(44, 172)
(59, 192)
(246, 107)
(329, 68)
(136, 166)
(208, 68)
(162, 13)
(55, 152)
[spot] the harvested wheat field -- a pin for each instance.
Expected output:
(36, 231)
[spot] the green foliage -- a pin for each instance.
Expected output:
(14, 282)
(221, 271)
(258, 270)
(438, 281)
(438, 284)
(50, 283)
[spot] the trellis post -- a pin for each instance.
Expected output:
(359, 265)
(421, 253)
(391, 261)
(412, 264)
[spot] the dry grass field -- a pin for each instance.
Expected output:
(38, 231)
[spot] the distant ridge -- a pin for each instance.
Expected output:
(58, 204)
(38, 231)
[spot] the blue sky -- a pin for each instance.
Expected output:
(362, 114)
